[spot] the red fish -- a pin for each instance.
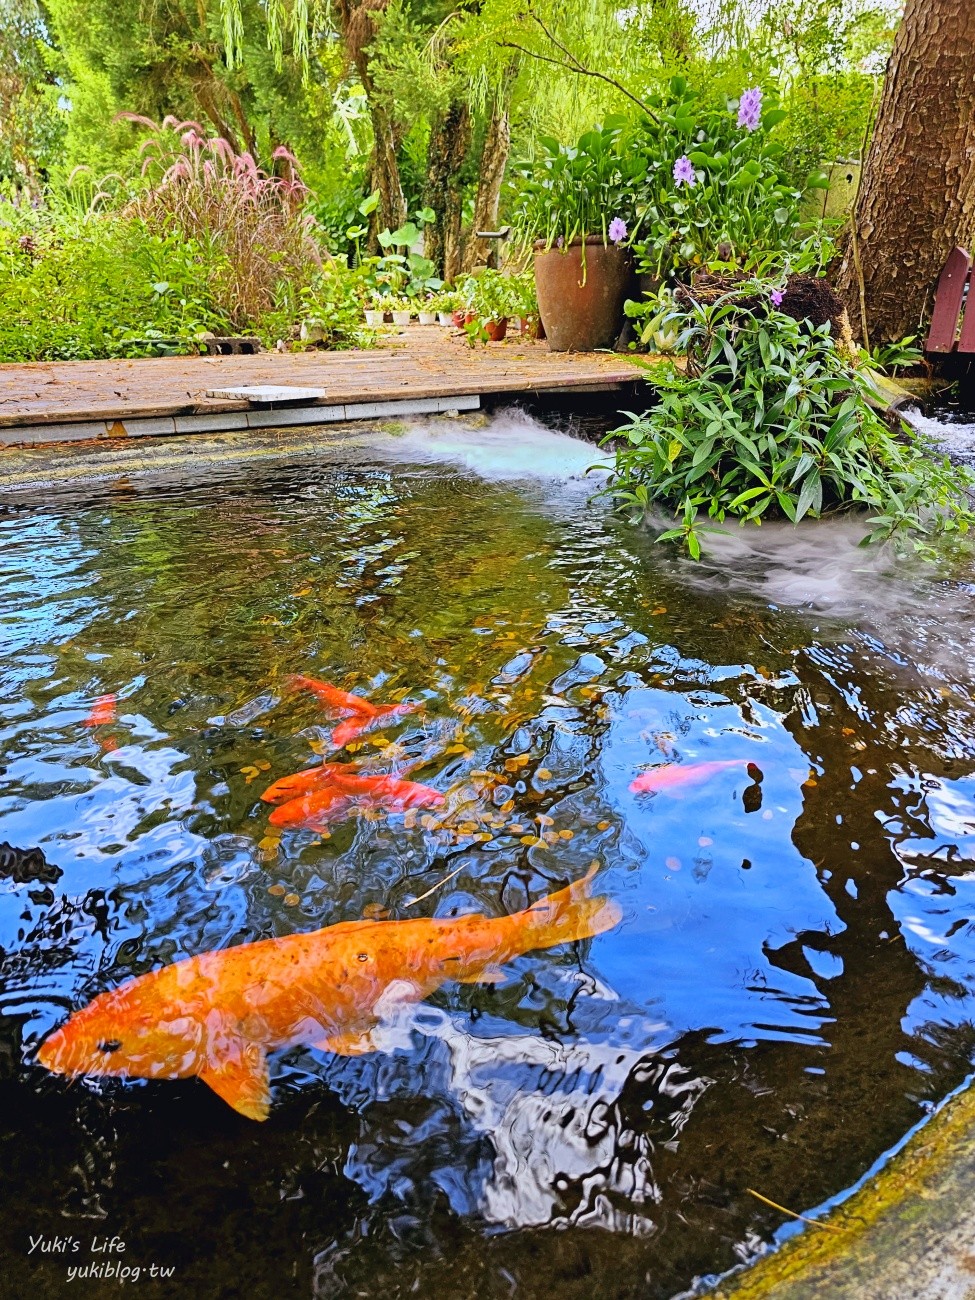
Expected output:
(361, 716)
(671, 775)
(104, 711)
(382, 716)
(306, 782)
(347, 793)
(333, 696)
(219, 1014)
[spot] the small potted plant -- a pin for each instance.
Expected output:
(524, 303)
(376, 309)
(446, 303)
(428, 312)
(402, 309)
(493, 303)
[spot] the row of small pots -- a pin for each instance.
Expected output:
(496, 330)
(377, 317)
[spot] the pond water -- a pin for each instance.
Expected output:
(791, 986)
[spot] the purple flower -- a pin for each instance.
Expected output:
(776, 296)
(617, 230)
(750, 109)
(684, 171)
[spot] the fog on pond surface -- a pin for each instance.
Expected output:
(790, 987)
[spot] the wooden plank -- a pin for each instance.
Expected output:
(966, 339)
(419, 364)
(947, 302)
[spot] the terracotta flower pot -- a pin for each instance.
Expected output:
(470, 317)
(458, 318)
(582, 309)
(496, 329)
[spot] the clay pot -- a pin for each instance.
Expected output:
(458, 317)
(496, 329)
(577, 316)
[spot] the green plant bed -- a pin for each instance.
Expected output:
(771, 417)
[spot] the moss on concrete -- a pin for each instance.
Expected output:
(910, 1231)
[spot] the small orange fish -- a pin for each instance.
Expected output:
(361, 715)
(104, 712)
(382, 716)
(306, 782)
(218, 1015)
(339, 800)
(333, 696)
(670, 775)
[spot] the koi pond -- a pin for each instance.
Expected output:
(769, 757)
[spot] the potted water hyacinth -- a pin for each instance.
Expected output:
(579, 206)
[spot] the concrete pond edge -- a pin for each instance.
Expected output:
(909, 1230)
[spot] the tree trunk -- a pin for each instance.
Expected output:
(494, 160)
(450, 139)
(391, 212)
(917, 193)
(357, 23)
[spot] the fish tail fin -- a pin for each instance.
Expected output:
(570, 914)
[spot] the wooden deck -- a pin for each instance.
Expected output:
(423, 362)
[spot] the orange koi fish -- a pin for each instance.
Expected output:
(382, 716)
(104, 711)
(333, 697)
(218, 1015)
(306, 782)
(346, 793)
(671, 775)
(361, 716)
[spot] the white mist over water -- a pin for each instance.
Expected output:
(951, 432)
(924, 613)
(510, 446)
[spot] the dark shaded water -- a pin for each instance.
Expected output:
(791, 986)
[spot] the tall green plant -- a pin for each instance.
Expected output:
(716, 189)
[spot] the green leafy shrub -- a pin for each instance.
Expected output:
(105, 286)
(771, 418)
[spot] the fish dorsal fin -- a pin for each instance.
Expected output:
(237, 1072)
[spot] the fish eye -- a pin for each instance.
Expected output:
(110, 1045)
(363, 956)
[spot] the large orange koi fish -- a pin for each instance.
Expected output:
(218, 1015)
(670, 776)
(306, 782)
(342, 794)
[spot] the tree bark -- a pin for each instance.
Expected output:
(450, 139)
(494, 160)
(917, 192)
(357, 23)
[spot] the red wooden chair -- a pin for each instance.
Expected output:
(954, 302)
